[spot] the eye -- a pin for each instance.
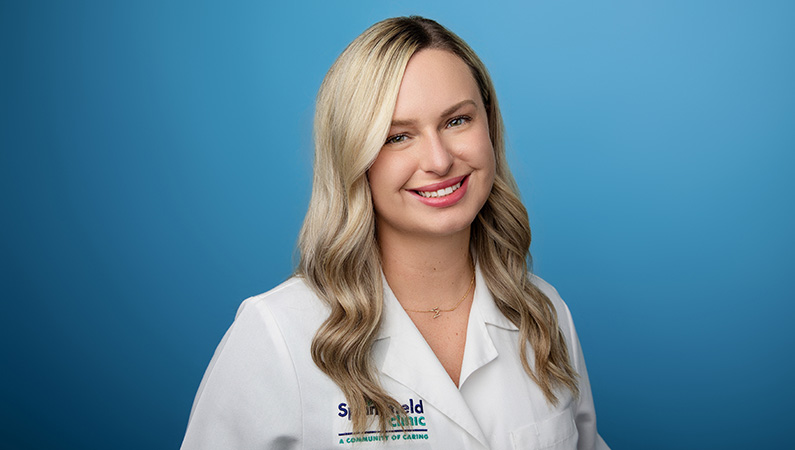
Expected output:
(458, 121)
(396, 139)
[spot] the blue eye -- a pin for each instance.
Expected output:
(396, 139)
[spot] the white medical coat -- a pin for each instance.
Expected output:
(263, 391)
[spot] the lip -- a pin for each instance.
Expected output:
(448, 200)
(441, 185)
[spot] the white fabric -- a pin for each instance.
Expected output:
(262, 390)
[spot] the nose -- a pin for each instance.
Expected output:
(436, 156)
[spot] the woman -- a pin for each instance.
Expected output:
(412, 319)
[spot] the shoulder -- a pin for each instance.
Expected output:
(287, 317)
(265, 327)
(258, 364)
(269, 332)
(292, 294)
(561, 308)
(551, 293)
(292, 304)
(585, 415)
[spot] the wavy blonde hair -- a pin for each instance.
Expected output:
(339, 254)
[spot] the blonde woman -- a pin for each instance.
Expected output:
(412, 320)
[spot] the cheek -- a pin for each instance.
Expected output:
(486, 161)
(489, 170)
(388, 173)
(483, 155)
(492, 162)
(376, 175)
(477, 148)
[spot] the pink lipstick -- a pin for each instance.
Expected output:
(443, 194)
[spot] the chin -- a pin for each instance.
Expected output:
(449, 228)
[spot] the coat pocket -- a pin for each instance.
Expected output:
(556, 433)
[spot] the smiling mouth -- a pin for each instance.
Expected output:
(441, 192)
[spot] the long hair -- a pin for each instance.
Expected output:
(339, 254)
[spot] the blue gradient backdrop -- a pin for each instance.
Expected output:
(156, 163)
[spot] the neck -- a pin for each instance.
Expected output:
(426, 272)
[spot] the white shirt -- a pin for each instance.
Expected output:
(263, 391)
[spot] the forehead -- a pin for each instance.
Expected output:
(433, 81)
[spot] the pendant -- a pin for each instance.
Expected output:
(436, 312)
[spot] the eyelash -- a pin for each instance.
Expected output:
(398, 138)
(392, 139)
(464, 119)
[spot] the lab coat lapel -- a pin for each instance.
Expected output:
(480, 349)
(403, 355)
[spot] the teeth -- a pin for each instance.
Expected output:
(441, 192)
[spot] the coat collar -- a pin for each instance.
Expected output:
(402, 354)
(484, 303)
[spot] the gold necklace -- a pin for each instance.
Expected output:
(438, 311)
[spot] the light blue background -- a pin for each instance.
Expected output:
(156, 163)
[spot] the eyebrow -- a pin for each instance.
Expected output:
(446, 112)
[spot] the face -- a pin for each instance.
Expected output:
(436, 168)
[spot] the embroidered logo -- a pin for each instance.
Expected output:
(413, 426)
